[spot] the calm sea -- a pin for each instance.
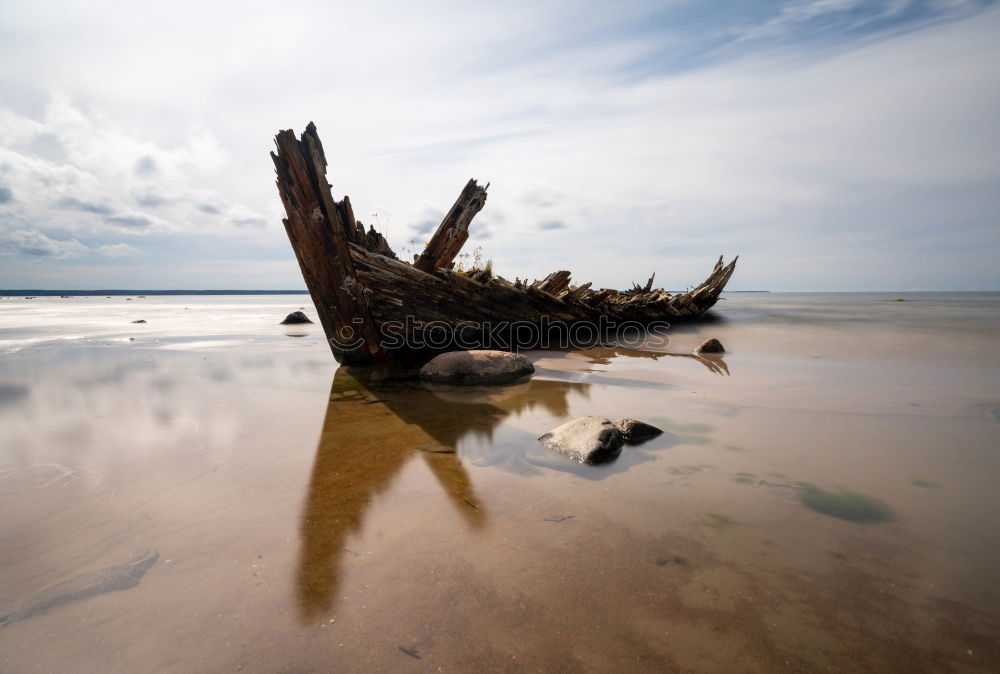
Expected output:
(823, 497)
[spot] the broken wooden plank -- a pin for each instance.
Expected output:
(554, 283)
(453, 231)
(319, 236)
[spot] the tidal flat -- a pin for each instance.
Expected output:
(307, 517)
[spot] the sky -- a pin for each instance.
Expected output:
(835, 145)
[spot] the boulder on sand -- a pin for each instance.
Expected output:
(295, 317)
(710, 346)
(477, 367)
(587, 440)
(635, 431)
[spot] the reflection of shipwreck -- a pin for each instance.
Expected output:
(378, 420)
(374, 306)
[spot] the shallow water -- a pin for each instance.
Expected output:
(309, 518)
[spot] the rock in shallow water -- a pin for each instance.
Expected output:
(587, 440)
(295, 317)
(477, 367)
(710, 346)
(635, 431)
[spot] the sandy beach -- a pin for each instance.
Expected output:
(310, 518)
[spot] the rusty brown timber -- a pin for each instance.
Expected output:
(362, 291)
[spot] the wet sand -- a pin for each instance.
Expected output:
(309, 518)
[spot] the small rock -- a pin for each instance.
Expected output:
(295, 317)
(710, 346)
(141, 320)
(897, 299)
(587, 440)
(635, 431)
(477, 367)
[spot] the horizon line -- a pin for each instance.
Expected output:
(46, 292)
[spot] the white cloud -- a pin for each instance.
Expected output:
(35, 244)
(116, 250)
(102, 179)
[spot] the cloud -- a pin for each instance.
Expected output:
(148, 198)
(251, 221)
(539, 199)
(145, 166)
(129, 221)
(74, 204)
(832, 141)
(425, 227)
(80, 172)
(35, 244)
(427, 222)
(6, 196)
(116, 250)
(551, 224)
(793, 14)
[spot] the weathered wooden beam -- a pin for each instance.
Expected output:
(453, 231)
(554, 283)
(319, 234)
(576, 293)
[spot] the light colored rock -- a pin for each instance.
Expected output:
(635, 431)
(587, 440)
(477, 367)
(710, 346)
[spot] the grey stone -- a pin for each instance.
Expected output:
(473, 368)
(635, 431)
(710, 346)
(295, 317)
(587, 440)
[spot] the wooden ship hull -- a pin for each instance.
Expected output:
(375, 307)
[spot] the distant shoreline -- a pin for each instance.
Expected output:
(133, 293)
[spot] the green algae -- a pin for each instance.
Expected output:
(719, 522)
(677, 560)
(847, 505)
(686, 470)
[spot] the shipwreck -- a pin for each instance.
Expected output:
(375, 307)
